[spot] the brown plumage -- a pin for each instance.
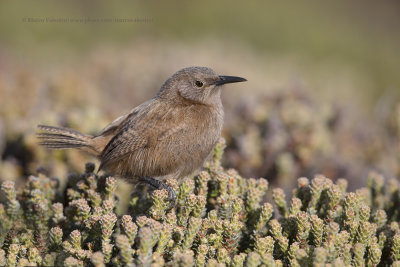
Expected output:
(170, 135)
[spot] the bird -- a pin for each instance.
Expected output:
(169, 136)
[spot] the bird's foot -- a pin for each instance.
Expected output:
(158, 185)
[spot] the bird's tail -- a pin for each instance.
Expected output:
(62, 138)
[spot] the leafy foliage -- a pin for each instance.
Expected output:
(220, 219)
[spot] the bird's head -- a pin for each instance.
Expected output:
(196, 85)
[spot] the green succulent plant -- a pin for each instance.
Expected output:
(220, 219)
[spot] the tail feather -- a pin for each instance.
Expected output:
(58, 137)
(62, 138)
(59, 145)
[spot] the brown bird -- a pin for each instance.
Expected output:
(170, 135)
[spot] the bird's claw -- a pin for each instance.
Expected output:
(158, 185)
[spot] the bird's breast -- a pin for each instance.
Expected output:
(199, 138)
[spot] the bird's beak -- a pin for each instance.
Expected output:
(229, 79)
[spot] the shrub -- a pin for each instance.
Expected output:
(220, 219)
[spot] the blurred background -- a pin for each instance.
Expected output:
(322, 94)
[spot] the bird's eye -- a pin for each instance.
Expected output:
(199, 83)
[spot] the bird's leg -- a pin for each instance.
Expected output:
(158, 185)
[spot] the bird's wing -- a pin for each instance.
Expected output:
(113, 126)
(121, 120)
(141, 131)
